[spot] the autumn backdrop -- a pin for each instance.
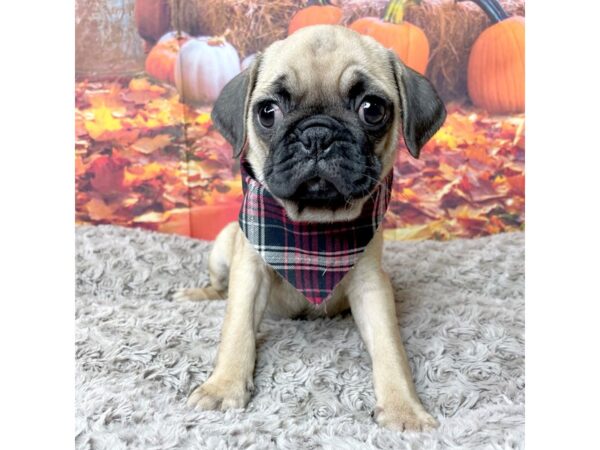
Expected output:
(147, 155)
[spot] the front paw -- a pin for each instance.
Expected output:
(405, 416)
(220, 394)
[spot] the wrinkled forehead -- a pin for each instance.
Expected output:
(321, 66)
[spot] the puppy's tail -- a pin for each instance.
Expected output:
(197, 294)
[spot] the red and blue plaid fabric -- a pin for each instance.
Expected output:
(313, 257)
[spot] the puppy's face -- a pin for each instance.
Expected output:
(320, 114)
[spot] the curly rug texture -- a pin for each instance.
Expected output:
(138, 354)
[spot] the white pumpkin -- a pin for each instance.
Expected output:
(204, 66)
(248, 60)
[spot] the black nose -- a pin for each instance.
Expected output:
(317, 134)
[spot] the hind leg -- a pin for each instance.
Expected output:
(219, 263)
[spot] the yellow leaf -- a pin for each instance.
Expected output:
(500, 179)
(102, 122)
(408, 194)
(130, 201)
(203, 118)
(142, 173)
(139, 84)
(98, 210)
(435, 229)
(445, 138)
(142, 84)
(150, 217)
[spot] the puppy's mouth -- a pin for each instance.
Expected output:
(322, 184)
(309, 185)
(320, 193)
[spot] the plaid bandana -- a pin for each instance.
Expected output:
(313, 257)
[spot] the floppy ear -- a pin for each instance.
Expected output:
(230, 111)
(423, 112)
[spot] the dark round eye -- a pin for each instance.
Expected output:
(268, 114)
(372, 110)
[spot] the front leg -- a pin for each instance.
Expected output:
(231, 383)
(372, 303)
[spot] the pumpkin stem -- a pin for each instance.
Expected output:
(219, 40)
(492, 8)
(179, 37)
(394, 11)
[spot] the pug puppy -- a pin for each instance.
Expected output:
(356, 98)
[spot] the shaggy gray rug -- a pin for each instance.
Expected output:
(461, 313)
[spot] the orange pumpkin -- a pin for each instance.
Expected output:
(496, 69)
(317, 13)
(160, 62)
(408, 41)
